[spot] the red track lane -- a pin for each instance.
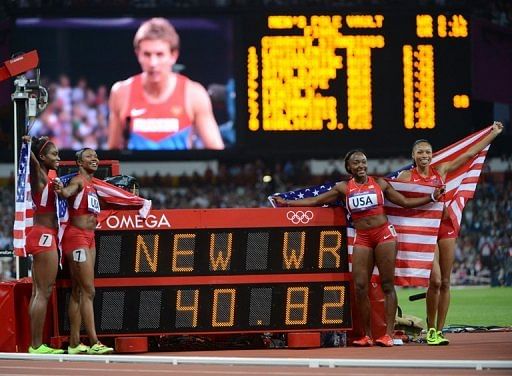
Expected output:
(465, 346)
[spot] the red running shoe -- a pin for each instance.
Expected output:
(385, 341)
(365, 341)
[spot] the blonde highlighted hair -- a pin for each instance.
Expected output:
(157, 29)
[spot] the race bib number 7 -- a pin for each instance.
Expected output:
(45, 240)
(79, 255)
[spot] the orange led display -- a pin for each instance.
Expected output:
(297, 306)
(332, 310)
(218, 295)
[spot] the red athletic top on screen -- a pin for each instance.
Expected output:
(364, 200)
(84, 202)
(157, 121)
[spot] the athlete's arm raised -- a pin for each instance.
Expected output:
(447, 167)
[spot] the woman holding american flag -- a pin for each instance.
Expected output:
(41, 240)
(79, 247)
(427, 171)
(375, 238)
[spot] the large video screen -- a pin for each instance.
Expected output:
(306, 84)
(82, 58)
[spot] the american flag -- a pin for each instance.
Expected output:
(417, 228)
(23, 217)
(109, 193)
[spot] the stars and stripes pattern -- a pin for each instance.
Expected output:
(417, 228)
(109, 193)
(23, 215)
(24, 212)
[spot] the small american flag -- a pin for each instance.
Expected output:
(23, 217)
(417, 228)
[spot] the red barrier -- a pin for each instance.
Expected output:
(14, 316)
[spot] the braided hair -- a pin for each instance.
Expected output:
(348, 155)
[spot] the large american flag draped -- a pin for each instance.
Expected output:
(417, 228)
(23, 216)
(24, 207)
(109, 193)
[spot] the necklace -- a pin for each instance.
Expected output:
(363, 183)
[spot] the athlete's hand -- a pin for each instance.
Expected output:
(26, 139)
(497, 128)
(438, 193)
(279, 201)
(57, 185)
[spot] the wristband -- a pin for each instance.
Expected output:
(432, 198)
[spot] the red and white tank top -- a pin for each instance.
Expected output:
(84, 202)
(433, 177)
(44, 201)
(157, 121)
(364, 200)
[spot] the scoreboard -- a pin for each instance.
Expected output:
(318, 82)
(219, 270)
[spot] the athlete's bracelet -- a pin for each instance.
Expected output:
(432, 198)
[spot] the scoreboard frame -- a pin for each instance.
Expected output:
(389, 78)
(218, 271)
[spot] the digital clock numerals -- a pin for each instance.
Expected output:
(454, 26)
(419, 95)
(225, 308)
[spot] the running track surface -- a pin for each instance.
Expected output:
(495, 346)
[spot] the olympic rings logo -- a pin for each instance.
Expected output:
(297, 217)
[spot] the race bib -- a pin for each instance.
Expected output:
(392, 230)
(45, 240)
(79, 255)
(93, 203)
(362, 202)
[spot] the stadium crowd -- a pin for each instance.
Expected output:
(484, 249)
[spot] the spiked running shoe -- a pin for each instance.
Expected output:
(432, 337)
(385, 341)
(78, 349)
(43, 349)
(441, 340)
(365, 341)
(100, 349)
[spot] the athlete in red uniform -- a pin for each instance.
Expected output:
(160, 109)
(41, 240)
(375, 238)
(438, 293)
(79, 249)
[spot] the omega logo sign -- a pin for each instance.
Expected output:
(114, 222)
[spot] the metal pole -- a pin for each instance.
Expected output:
(20, 100)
